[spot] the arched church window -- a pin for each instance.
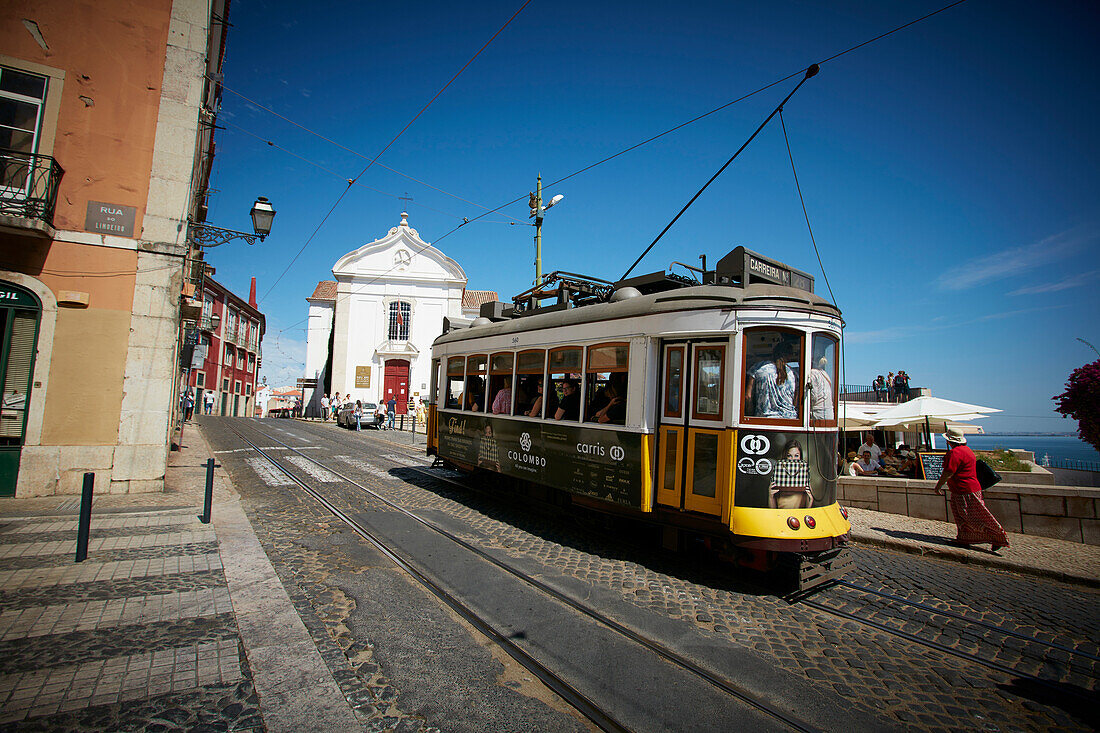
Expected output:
(399, 321)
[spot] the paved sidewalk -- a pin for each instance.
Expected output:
(170, 624)
(1042, 556)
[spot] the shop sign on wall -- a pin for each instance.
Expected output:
(110, 219)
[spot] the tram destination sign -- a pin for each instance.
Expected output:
(749, 267)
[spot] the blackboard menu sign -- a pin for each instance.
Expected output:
(931, 465)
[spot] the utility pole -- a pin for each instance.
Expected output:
(537, 212)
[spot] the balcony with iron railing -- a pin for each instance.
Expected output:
(28, 190)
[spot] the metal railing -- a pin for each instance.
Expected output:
(28, 185)
(867, 393)
(1072, 464)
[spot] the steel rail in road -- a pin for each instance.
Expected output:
(963, 617)
(664, 652)
(555, 683)
(1005, 669)
(1056, 687)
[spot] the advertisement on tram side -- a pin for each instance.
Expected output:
(603, 464)
(784, 469)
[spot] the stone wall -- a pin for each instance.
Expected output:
(1062, 512)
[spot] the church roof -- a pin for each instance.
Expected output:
(474, 298)
(325, 290)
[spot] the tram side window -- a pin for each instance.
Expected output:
(821, 388)
(500, 383)
(605, 388)
(473, 398)
(564, 398)
(709, 365)
(773, 374)
(530, 366)
(455, 365)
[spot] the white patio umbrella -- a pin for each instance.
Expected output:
(931, 411)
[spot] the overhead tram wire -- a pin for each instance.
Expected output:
(810, 72)
(317, 165)
(707, 114)
(658, 135)
(352, 181)
(350, 150)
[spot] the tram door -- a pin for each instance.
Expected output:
(693, 446)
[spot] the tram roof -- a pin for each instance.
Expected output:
(756, 296)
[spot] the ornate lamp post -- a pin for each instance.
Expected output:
(205, 235)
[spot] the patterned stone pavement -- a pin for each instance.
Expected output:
(139, 636)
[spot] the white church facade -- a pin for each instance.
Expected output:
(370, 330)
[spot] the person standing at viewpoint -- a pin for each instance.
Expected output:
(391, 412)
(973, 519)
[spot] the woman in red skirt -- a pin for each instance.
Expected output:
(975, 523)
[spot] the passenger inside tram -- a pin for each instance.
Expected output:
(608, 402)
(771, 386)
(502, 395)
(528, 395)
(475, 394)
(569, 408)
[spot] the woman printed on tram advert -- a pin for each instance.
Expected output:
(771, 387)
(790, 488)
(973, 519)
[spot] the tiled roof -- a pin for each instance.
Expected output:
(474, 298)
(325, 290)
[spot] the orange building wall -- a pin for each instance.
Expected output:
(114, 66)
(88, 359)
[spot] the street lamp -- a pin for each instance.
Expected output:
(537, 211)
(204, 235)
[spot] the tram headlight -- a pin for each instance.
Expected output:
(810, 522)
(792, 522)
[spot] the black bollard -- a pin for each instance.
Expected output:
(205, 517)
(84, 524)
(402, 422)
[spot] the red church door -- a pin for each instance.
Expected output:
(396, 384)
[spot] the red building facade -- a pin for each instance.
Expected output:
(228, 353)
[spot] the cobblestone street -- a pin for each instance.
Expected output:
(914, 686)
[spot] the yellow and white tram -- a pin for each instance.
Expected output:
(708, 406)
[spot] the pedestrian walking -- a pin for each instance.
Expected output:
(358, 414)
(419, 413)
(960, 472)
(189, 404)
(208, 401)
(334, 407)
(324, 407)
(391, 412)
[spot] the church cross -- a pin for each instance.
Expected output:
(406, 198)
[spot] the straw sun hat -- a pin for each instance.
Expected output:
(954, 435)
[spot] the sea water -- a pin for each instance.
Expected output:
(1066, 447)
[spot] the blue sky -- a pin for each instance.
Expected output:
(949, 170)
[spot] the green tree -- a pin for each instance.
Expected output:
(1081, 401)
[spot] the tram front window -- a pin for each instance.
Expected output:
(772, 374)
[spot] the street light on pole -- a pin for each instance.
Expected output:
(537, 211)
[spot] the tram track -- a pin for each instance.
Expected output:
(887, 628)
(567, 692)
(935, 610)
